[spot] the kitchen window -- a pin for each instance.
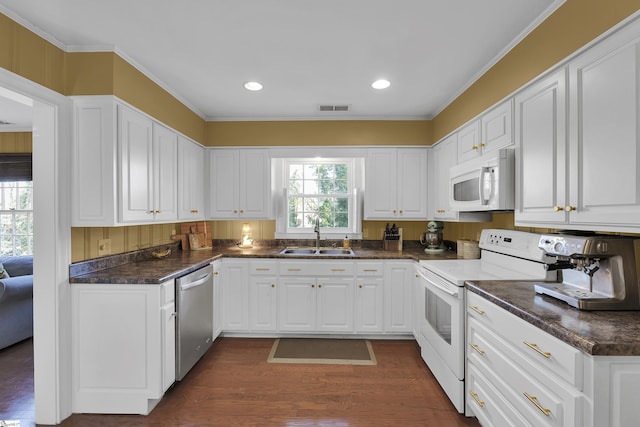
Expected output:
(318, 188)
(16, 218)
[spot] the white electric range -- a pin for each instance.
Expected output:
(505, 255)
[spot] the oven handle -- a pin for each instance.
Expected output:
(443, 289)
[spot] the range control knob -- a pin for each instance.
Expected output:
(558, 247)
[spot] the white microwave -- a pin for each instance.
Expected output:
(484, 184)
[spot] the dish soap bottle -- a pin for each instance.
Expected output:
(345, 242)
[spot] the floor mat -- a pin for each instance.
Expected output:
(322, 351)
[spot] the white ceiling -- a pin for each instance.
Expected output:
(305, 53)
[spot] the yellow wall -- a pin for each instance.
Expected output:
(84, 240)
(16, 142)
(320, 132)
(573, 25)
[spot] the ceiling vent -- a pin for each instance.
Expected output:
(335, 107)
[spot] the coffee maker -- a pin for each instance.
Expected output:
(433, 238)
(599, 272)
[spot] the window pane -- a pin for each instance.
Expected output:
(310, 186)
(6, 224)
(296, 186)
(6, 245)
(22, 245)
(310, 171)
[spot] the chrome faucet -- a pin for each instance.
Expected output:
(316, 229)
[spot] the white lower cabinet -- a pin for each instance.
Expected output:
(526, 374)
(123, 339)
(369, 297)
(316, 296)
(217, 299)
(263, 295)
(339, 296)
(398, 289)
(520, 375)
(235, 295)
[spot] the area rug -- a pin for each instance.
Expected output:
(322, 351)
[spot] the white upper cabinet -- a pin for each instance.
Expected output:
(147, 169)
(541, 170)
(125, 167)
(592, 183)
(239, 184)
(190, 180)
(491, 131)
(396, 183)
(604, 180)
(444, 156)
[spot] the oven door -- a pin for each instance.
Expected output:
(442, 321)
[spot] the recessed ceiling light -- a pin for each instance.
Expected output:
(381, 84)
(252, 86)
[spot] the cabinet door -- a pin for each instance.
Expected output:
(254, 184)
(335, 304)
(190, 180)
(381, 183)
(94, 171)
(412, 183)
(541, 173)
(165, 174)
(263, 303)
(235, 295)
(496, 127)
(398, 280)
(369, 304)
(445, 155)
(469, 141)
(297, 304)
(136, 166)
(217, 299)
(223, 183)
(604, 186)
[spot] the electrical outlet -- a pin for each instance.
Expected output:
(104, 247)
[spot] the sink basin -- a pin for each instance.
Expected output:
(297, 251)
(335, 252)
(316, 252)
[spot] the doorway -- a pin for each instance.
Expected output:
(51, 114)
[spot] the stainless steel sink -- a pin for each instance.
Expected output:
(297, 251)
(317, 252)
(335, 252)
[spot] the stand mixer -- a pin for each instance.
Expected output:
(433, 238)
(599, 272)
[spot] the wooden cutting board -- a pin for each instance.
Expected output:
(194, 235)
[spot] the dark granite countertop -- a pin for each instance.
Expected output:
(598, 333)
(141, 268)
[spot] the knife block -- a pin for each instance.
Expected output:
(392, 245)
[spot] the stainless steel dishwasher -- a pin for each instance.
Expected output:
(194, 326)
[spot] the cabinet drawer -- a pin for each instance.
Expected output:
(263, 268)
(317, 268)
(367, 268)
(537, 346)
(486, 402)
(535, 393)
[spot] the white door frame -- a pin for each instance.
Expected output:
(52, 118)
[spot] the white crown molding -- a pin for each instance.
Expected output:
(544, 15)
(14, 128)
(99, 48)
(29, 26)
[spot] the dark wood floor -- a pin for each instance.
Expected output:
(233, 385)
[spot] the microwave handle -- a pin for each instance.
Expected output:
(485, 185)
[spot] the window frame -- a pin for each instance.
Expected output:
(13, 212)
(280, 167)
